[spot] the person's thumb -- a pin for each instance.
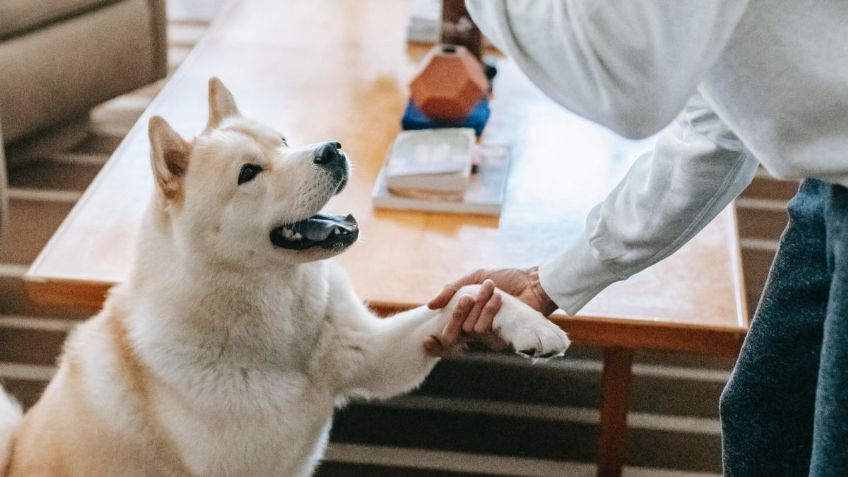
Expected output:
(444, 296)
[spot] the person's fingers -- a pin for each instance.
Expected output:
(487, 315)
(451, 331)
(444, 296)
(484, 295)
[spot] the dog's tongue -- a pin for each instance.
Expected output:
(319, 227)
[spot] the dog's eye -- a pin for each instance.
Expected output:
(248, 172)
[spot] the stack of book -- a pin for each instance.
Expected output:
(431, 170)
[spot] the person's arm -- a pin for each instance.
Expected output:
(628, 65)
(696, 168)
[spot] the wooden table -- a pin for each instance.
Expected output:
(320, 70)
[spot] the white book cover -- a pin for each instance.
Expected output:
(484, 195)
(425, 18)
(431, 160)
(424, 25)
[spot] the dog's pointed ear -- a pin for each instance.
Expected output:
(169, 155)
(221, 103)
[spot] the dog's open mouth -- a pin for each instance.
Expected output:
(320, 230)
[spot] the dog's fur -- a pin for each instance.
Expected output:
(223, 355)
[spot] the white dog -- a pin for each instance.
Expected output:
(232, 341)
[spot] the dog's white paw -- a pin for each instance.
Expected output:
(528, 332)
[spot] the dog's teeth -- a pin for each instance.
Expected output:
(336, 231)
(297, 236)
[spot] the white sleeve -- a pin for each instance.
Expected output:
(697, 167)
(628, 65)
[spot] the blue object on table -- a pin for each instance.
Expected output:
(413, 118)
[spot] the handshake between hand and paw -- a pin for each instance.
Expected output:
(473, 316)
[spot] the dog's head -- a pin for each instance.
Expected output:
(240, 195)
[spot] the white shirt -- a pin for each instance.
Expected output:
(740, 81)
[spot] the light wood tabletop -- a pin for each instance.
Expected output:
(329, 70)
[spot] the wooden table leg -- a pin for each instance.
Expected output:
(615, 401)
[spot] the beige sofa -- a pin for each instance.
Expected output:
(3, 214)
(59, 58)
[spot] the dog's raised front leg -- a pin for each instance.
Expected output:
(394, 359)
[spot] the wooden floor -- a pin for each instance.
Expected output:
(484, 414)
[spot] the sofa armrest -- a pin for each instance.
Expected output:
(160, 38)
(63, 69)
(4, 215)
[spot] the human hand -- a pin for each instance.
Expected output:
(473, 316)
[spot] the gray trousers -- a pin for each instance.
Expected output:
(784, 412)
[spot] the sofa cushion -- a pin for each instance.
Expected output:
(18, 16)
(62, 70)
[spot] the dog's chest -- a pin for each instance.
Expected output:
(247, 416)
(237, 394)
(274, 425)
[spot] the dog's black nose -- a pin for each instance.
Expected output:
(328, 154)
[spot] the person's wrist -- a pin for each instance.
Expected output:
(547, 306)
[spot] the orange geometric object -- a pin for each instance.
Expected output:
(450, 83)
